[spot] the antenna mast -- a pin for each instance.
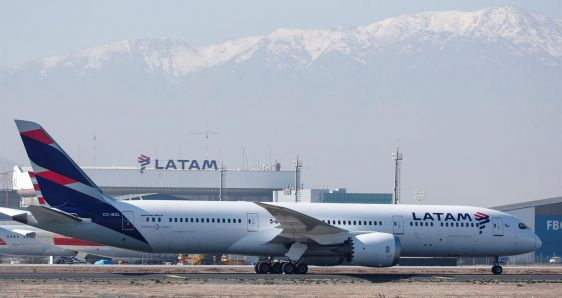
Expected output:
(298, 184)
(397, 156)
(206, 133)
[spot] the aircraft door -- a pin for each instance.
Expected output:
(398, 224)
(253, 223)
(498, 226)
(127, 221)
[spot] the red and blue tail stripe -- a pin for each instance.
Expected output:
(63, 185)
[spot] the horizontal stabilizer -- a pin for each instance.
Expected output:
(45, 214)
(15, 214)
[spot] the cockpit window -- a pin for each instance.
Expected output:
(522, 226)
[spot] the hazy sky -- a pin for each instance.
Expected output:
(32, 29)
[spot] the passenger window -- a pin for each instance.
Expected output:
(411, 223)
(416, 223)
(147, 219)
(359, 222)
(153, 219)
(427, 224)
(170, 219)
(207, 220)
(370, 223)
(375, 223)
(349, 222)
(159, 219)
(223, 220)
(213, 220)
(432, 224)
(181, 219)
(380, 223)
(229, 220)
(344, 222)
(175, 219)
(239, 220)
(197, 220)
(354, 223)
(364, 222)
(339, 222)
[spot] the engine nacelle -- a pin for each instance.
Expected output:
(375, 250)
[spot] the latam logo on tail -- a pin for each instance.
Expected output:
(179, 164)
(482, 219)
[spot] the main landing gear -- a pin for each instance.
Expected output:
(497, 268)
(279, 267)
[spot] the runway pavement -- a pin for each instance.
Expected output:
(87, 273)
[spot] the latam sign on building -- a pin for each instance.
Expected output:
(176, 164)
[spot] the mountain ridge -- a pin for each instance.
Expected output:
(527, 33)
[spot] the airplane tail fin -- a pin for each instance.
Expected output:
(61, 182)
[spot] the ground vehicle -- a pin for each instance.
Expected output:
(555, 260)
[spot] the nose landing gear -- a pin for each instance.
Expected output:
(497, 268)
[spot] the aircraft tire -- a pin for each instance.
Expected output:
(497, 269)
(276, 268)
(301, 268)
(288, 268)
(262, 267)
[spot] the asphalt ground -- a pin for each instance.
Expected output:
(234, 274)
(250, 277)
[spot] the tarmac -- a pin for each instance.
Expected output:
(225, 273)
(173, 280)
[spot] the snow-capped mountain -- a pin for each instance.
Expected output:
(524, 33)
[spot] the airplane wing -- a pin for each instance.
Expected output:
(303, 228)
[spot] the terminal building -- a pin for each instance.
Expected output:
(338, 195)
(207, 185)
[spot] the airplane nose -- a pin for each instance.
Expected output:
(538, 242)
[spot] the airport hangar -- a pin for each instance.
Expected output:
(545, 218)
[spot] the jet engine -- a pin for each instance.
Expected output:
(375, 250)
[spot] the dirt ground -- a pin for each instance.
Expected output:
(145, 288)
(168, 284)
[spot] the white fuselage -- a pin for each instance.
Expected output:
(246, 228)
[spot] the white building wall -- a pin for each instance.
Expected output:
(130, 177)
(305, 195)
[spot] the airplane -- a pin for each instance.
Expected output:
(22, 240)
(290, 236)
(15, 242)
